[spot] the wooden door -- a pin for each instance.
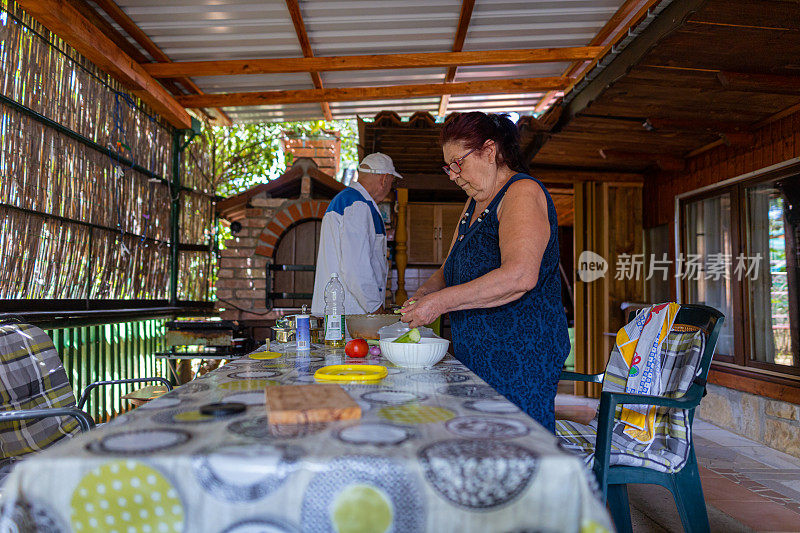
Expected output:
(298, 246)
(422, 242)
(449, 217)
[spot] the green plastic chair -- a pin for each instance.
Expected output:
(37, 402)
(684, 484)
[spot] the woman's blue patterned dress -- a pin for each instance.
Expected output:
(518, 348)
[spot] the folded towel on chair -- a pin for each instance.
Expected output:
(639, 344)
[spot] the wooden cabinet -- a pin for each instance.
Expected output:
(430, 231)
(449, 219)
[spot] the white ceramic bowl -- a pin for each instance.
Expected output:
(426, 353)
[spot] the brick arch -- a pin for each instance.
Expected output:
(285, 218)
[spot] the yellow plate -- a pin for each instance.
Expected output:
(264, 355)
(351, 373)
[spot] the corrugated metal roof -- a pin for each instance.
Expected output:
(245, 29)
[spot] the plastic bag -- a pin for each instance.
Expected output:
(392, 331)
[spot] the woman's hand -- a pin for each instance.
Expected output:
(421, 311)
(422, 291)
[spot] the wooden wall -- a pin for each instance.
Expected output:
(773, 143)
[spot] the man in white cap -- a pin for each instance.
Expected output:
(352, 240)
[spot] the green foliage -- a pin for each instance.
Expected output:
(239, 157)
(245, 155)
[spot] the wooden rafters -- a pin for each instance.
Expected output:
(639, 10)
(120, 40)
(759, 83)
(305, 45)
(575, 175)
(671, 18)
(458, 45)
(697, 125)
(136, 33)
(730, 133)
(662, 161)
(368, 62)
(124, 44)
(613, 29)
(76, 30)
(718, 95)
(351, 94)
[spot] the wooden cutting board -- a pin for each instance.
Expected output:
(304, 404)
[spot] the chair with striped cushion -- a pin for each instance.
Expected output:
(38, 405)
(669, 460)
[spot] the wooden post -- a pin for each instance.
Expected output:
(401, 246)
(608, 222)
(583, 230)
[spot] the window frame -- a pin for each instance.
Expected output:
(739, 362)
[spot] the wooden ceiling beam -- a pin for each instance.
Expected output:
(123, 43)
(639, 10)
(353, 94)
(305, 45)
(738, 139)
(698, 125)
(792, 109)
(136, 33)
(458, 45)
(610, 29)
(663, 161)
(669, 20)
(120, 40)
(662, 124)
(284, 65)
(577, 175)
(126, 23)
(759, 83)
(76, 30)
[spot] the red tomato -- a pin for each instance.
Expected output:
(357, 348)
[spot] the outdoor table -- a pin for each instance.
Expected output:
(435, 450)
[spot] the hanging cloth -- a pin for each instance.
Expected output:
(639, 343)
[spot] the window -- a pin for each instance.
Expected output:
(708, 240)
(772, 294)
(739, 254)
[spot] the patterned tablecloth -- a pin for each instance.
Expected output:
(435, 450)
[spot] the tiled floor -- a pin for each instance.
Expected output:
(747, 486)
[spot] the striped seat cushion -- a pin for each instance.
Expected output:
(32, 377)
(681, 353)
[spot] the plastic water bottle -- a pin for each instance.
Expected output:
(334, 312)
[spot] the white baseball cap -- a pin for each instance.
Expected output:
(378, 163)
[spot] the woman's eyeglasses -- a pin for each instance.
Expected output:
(455, 166)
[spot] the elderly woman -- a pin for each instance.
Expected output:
(500, 282)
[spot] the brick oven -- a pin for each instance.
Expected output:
(267, 267)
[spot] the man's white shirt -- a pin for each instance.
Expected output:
(352, 243)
